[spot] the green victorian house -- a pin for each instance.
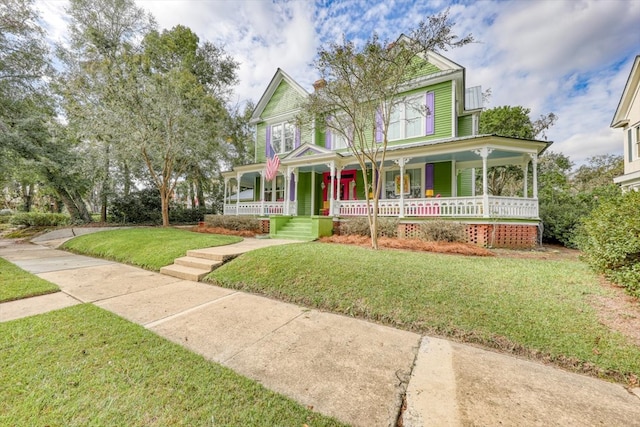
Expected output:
(432, 163)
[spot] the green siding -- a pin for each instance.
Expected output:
(465, 183)
(261, 142)
(424, 70)
(284, 100)
(443, 105)
(465, 125)
(304, 193)
(256, 189)
(318, 201)
(442, 179)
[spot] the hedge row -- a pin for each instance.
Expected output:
(39, 219)
(610, 240)
(232, 222)
(431, 231)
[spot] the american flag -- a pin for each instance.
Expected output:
(272, 167)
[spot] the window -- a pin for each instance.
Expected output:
(269, 196)
(282, 137)
(408, 119)
(411, 184)
(335, 140)
(638, 142)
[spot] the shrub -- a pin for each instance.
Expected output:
(442, 231)
(233, 222)
(5, 216)
(184, 216)
(139, 207)
(387, 227)
(610, 240)
(39, 219)
(562, 212)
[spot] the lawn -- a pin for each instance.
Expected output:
(85, 366)
(537, 308)
(150, 248)
(15, 283)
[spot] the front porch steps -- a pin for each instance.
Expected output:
(194, 266)
(297, 228)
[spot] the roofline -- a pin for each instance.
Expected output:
(277, 78)
(634, 74)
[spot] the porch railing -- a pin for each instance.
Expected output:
(469, 207)
(498, 207)
(260, 208)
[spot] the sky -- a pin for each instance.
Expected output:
(570, 57)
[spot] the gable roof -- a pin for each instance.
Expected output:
(620, 118)
(277, 78)
(444, 64)
(307, 149)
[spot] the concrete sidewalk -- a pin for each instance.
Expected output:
(353, 370)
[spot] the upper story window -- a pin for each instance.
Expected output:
(412, 118)
(335, 140)
(283, 137)
(637, 131)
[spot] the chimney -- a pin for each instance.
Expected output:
(319, 84)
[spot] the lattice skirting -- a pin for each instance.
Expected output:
(264, 226)
(516, 236)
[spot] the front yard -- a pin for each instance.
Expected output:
(85, 366)
(15, 283)
(544, 309)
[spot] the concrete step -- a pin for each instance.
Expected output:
(203, 263)
(184, 272)
(213, 254)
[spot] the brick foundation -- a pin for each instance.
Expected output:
(264, 225)
(515, 236)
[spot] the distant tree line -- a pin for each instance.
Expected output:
(125, 108)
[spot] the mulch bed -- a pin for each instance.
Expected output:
(411, 244)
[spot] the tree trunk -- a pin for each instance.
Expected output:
(164, 196)
(127, 179)
(81, 207)
(105, 184)
(27, 190)
(200, 193)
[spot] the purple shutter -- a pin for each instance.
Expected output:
(268, 149)
(430, 104)
(327, 139)
(292, 187)
(428, 178)
(379, 135)
(297, 138)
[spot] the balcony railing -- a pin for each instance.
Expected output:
(467, 207)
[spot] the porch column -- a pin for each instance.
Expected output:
(400, 162)
(332, 173)
(295, 190)
(534, 165)
(484, 153)
(238, 178)
(262, 192)
(225, 197)
(287, 190)
(339, 182)
(313, 190)
(525, 171)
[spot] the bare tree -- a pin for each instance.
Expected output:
(361, 87)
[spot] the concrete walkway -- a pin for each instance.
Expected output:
(353, 370)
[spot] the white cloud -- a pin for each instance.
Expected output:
(567, 57)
